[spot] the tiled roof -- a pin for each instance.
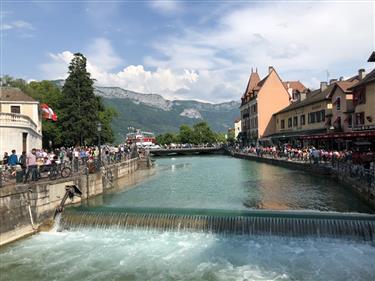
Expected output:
(345, 85)
(312, 97)
(295, 85)
(13, 94)
(253, 81)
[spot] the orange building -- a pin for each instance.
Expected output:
(262, 98)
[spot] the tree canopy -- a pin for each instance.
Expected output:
(200, 133)
(76, 106)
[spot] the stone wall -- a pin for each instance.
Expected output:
(24, 208)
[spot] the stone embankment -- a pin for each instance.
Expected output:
(27, 208)
(362, 185)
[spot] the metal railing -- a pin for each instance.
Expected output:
(75, 167)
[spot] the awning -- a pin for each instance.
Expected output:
(367, 134)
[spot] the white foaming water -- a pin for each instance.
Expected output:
(143, 255)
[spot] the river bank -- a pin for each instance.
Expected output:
(366, 191)
(28, 208)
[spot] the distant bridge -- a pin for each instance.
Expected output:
(187, 151)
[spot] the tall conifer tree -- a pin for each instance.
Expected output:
(80, 107)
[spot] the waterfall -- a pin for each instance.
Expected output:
(256, 222)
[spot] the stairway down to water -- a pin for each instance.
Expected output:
(256, 222)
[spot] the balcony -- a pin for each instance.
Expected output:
(18, 121)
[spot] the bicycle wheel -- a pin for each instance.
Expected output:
(66, 172)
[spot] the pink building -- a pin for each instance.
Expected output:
(262, 98)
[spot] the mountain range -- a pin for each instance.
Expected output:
(152, 112)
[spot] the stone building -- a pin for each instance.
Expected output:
(20, 121)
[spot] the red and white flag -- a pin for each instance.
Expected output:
(48, 113)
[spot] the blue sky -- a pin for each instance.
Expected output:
(187, 49)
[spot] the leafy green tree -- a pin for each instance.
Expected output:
(202, 133)
(79, 106)
(167, 138)
(186, 134)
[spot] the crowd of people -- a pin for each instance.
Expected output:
(306, 154)
(33, 163)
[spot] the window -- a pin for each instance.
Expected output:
(290, 122)
(323, 115)
(350, 120)
(15, 109)
(360, 118)
(338, 103)
(295, 121)
(312, 117)
(302, 120)
(317, 116)
(282, 125)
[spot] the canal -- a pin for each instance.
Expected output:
(200, 182)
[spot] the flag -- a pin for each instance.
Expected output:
(48, 113)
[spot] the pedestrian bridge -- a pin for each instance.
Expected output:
(186, 151)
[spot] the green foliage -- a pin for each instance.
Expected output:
(80, 107)
(71, 125)
(159, 121)
(167, 138)
(201, 133)
(186, 134)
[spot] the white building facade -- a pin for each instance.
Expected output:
(20, 122)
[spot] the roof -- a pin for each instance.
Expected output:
(295, 85)
(313, 97)
(253, 81)
(368, 79)
(372, 57)
(345, 86)
(14, 94)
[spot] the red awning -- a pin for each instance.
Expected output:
(342, 135)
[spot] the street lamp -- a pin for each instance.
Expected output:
(99, 144)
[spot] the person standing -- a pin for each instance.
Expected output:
(31, 166)
(13, 160)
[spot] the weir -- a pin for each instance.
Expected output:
(255, 222)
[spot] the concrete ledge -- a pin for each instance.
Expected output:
(44, 196)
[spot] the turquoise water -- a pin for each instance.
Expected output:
(220, 182)
(213, 182)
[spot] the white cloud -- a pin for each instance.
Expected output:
(100, 52)
(18, 24)
(101, 60)
(166, 6)
(301, 40)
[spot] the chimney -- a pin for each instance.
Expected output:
(270, 68)
(341, 78)
(361, 73)
(323, 86)
(332, 81)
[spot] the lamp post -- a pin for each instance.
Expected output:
(99, 144)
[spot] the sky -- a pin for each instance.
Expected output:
(202, 50)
